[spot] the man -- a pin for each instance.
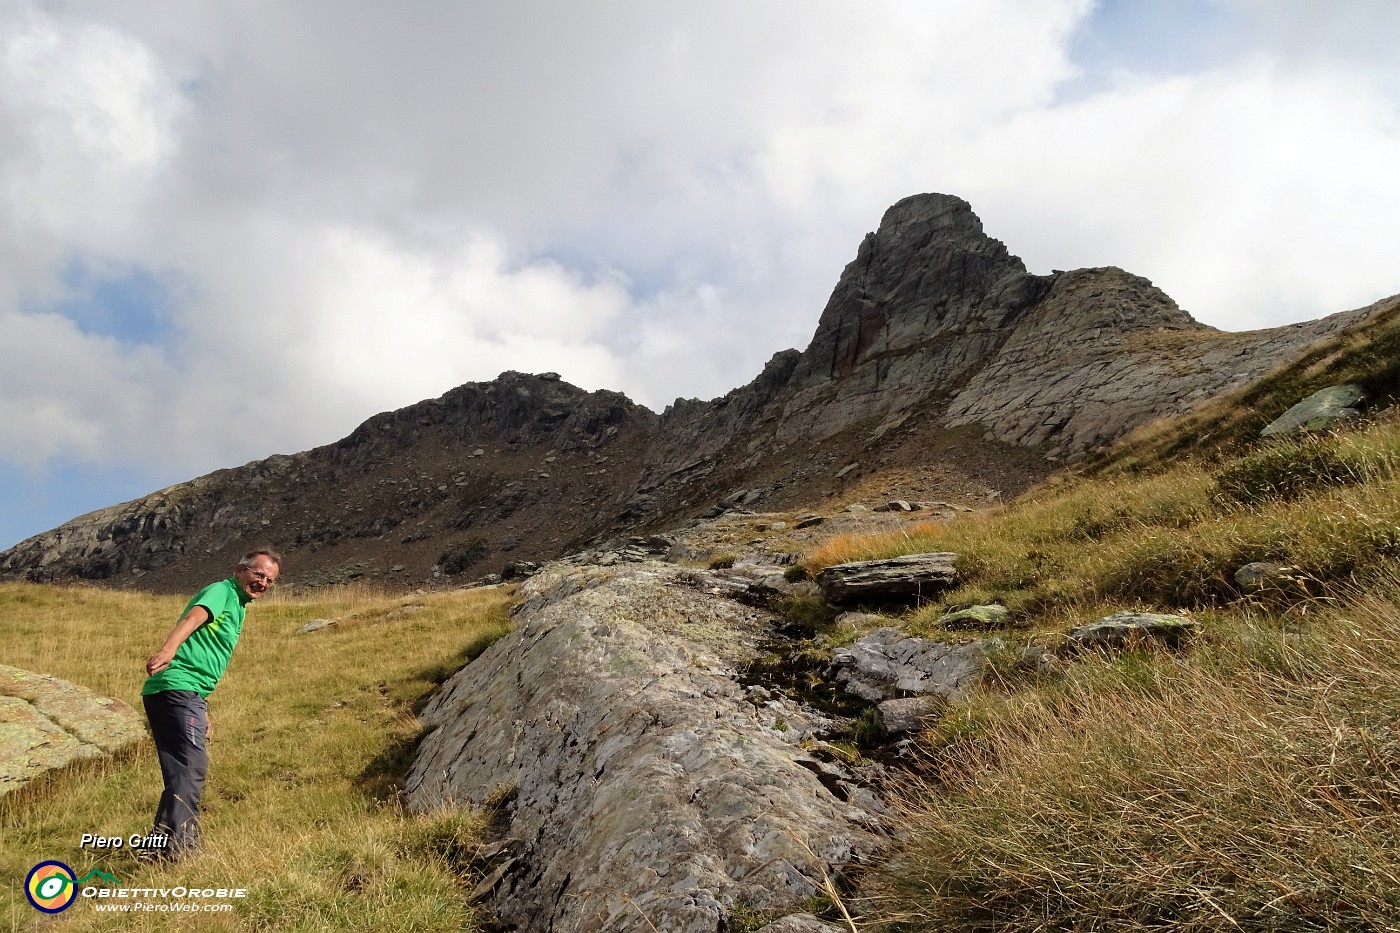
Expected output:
(181, 675)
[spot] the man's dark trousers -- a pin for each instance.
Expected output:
(179, 719)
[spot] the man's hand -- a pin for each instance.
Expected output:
(159, 661)
(190, 621)
(208, 726)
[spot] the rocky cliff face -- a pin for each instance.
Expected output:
(486, 473)
(937, 350)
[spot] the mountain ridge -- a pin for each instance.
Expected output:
(938, 361)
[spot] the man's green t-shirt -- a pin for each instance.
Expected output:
(201, 660)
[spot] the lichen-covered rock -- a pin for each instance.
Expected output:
(648, 789)
(888, 664)
(47, 723)
(1124, 629)
(1320, 411)
(1266, 576)
(975, 617)
(908, 579)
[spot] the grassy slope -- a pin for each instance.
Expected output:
(309, 733)
(1251, 782)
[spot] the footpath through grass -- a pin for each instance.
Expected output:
(310, 734)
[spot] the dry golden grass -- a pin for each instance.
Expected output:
(310, 734)
(838, 549)
(1254, 785)
(1251, 783)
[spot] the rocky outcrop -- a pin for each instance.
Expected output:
(937, 346)
(889, 664)
(50, 723)
(638, 785)
(910, 579)
(1320, 411)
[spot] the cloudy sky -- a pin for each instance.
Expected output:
(240, 228)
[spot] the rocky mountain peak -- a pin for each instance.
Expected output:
(938, 359)
(928, 269)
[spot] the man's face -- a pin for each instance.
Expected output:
(256, 580)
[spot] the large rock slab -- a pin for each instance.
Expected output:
(909, 579)
(648, 790)
(47, 723)
(1324, 409)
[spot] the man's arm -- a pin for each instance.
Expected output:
(183, 629)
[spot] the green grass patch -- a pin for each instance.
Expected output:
(312, 734)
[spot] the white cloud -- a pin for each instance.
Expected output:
(367, 204)
(1252, 197)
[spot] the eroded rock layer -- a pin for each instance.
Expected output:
(642, 787)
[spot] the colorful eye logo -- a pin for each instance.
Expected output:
(50, 887)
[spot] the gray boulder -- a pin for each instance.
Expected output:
(1127, 629)
(51, 723)
(1320, 411)
(889, 664)
(906, 715)
(647, 788)
(909, 579)
(1265, 576)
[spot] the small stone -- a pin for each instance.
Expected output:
(315, 625)
(846, 469)
(1266, 576)
(975, 617)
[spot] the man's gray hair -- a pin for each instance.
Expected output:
(246, 561)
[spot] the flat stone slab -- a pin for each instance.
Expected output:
(47, 723)
(909, 579)
(1126, 629)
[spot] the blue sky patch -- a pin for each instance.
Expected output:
(1151, 37)
(32, 502)
(123, 301)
